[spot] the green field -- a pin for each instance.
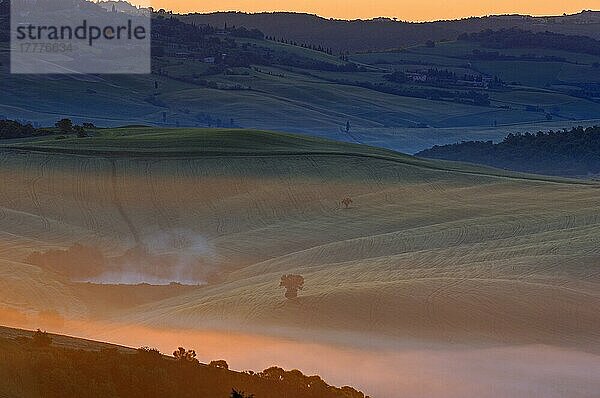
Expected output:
(150, 142)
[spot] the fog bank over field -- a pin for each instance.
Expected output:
(389, 367)
(168, 256)
(379, 366)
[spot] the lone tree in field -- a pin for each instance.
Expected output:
(185, 356)
(347, 202)
(292, 284)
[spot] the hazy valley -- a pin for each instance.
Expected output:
(255, 199)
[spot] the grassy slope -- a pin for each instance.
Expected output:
(197, 142)
(432, 249)
(191, 141)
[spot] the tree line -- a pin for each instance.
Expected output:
(518, 38)
(13, 129)
(574, 152)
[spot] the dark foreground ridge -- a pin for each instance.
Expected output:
(37, 364)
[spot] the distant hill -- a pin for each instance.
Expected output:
(517, 38)
(383, 33)
(566, 153)
(121, 6)
(406, 100)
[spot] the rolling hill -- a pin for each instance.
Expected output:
(452, 246)
(471, 262)
(385, 34)
(289, 86)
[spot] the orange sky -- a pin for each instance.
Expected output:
(410, 10)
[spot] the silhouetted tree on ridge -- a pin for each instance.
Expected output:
(185, 356)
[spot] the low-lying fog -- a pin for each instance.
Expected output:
(383, 368)
(175, 255)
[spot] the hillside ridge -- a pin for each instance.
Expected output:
(229, 143)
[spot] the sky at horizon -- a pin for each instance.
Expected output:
(407, 10)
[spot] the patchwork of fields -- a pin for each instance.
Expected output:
(320, 102)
